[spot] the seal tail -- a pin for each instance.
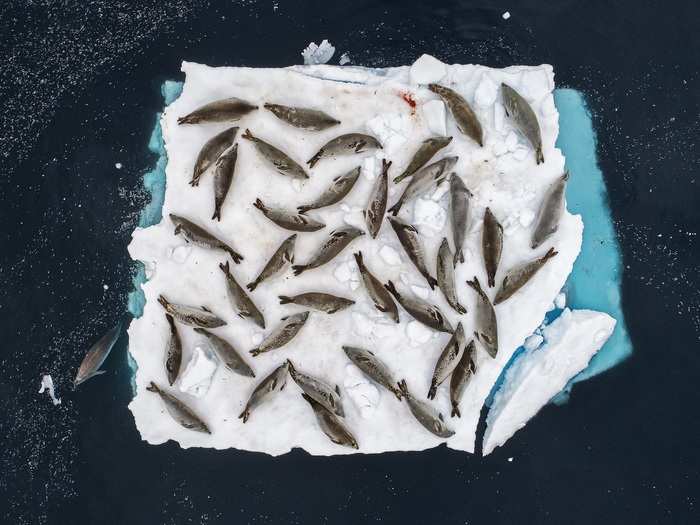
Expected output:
(550, 253)
(459, 257)
(394, 210)
(285, 299)
(455, 411)
(163, 301)
(237, 257)
(247, 135)
(245, 415)
(252, 285)
(432, 391)
(539, 156)
(255, 352)
(403, 387)
(217, 214)
(303, 209)
(188, 119)
(392, 289)
(152, 387)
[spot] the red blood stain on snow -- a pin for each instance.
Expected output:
(408, 98)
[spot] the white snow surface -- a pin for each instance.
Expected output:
(542, 372)
(512, 187)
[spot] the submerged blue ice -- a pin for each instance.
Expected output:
(596, 277)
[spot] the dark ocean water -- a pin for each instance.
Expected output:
(80, 88)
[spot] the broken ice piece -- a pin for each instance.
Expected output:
(427, 69)
(533, 341)
(47, 385)
(180, 253)
(318, 54)
(418, 333)
(196, 379)
(539, 374)
(149, 269)
(296, 185)
(369, 168)
(361, 324)
(499, 148)
(506, 16)
(344, 59)
(434, 116)
(343, 272)
(390, 256)
(486, 92)
(520, 154)
(391, 130)
(429, 214)
(420, 291)
(512, 141)
(560, 300)
(526, 217)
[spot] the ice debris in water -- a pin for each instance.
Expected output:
(118, 165)
(533, 341)
(506, 15)
(344, 59)
(390, 256)
(434, 115)
(47, 385)
(318, 54)
(196, 379)
(560, 300)
(427, 69)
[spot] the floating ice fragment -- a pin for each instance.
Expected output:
(47, 385)
(118, 165)
(506, 16)
(533, 341)
(344, 59)
(560, 300)
(418, 333)
(427, 69)
(196, 379)
(486, 92)
(105, 287)
(434, 116)
(390, 256)
(318, 54)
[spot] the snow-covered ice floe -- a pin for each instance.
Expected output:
(542, 372)
(502, 175)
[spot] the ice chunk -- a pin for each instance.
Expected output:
(533, 341)
(526, 217)
(118, 165)
(318, 54)
(361, 324)
(512, 141)
(434, 116)
(369, 168)
(540, 373)
(520, 154)
(181, 253)
(390, 256)
(560, 300)
(499, 148)
(506, 16)
(486, 92)
(430, 215)
(391, 129)
(363, 394)
(344, 59)
(343, 272)
(196, 379)
(47, 385)
(427, 69)
(420, 291)
(418, 333)
(355, 218)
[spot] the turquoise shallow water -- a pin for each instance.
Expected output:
(596, 277)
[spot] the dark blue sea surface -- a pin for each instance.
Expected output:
(80, 90)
